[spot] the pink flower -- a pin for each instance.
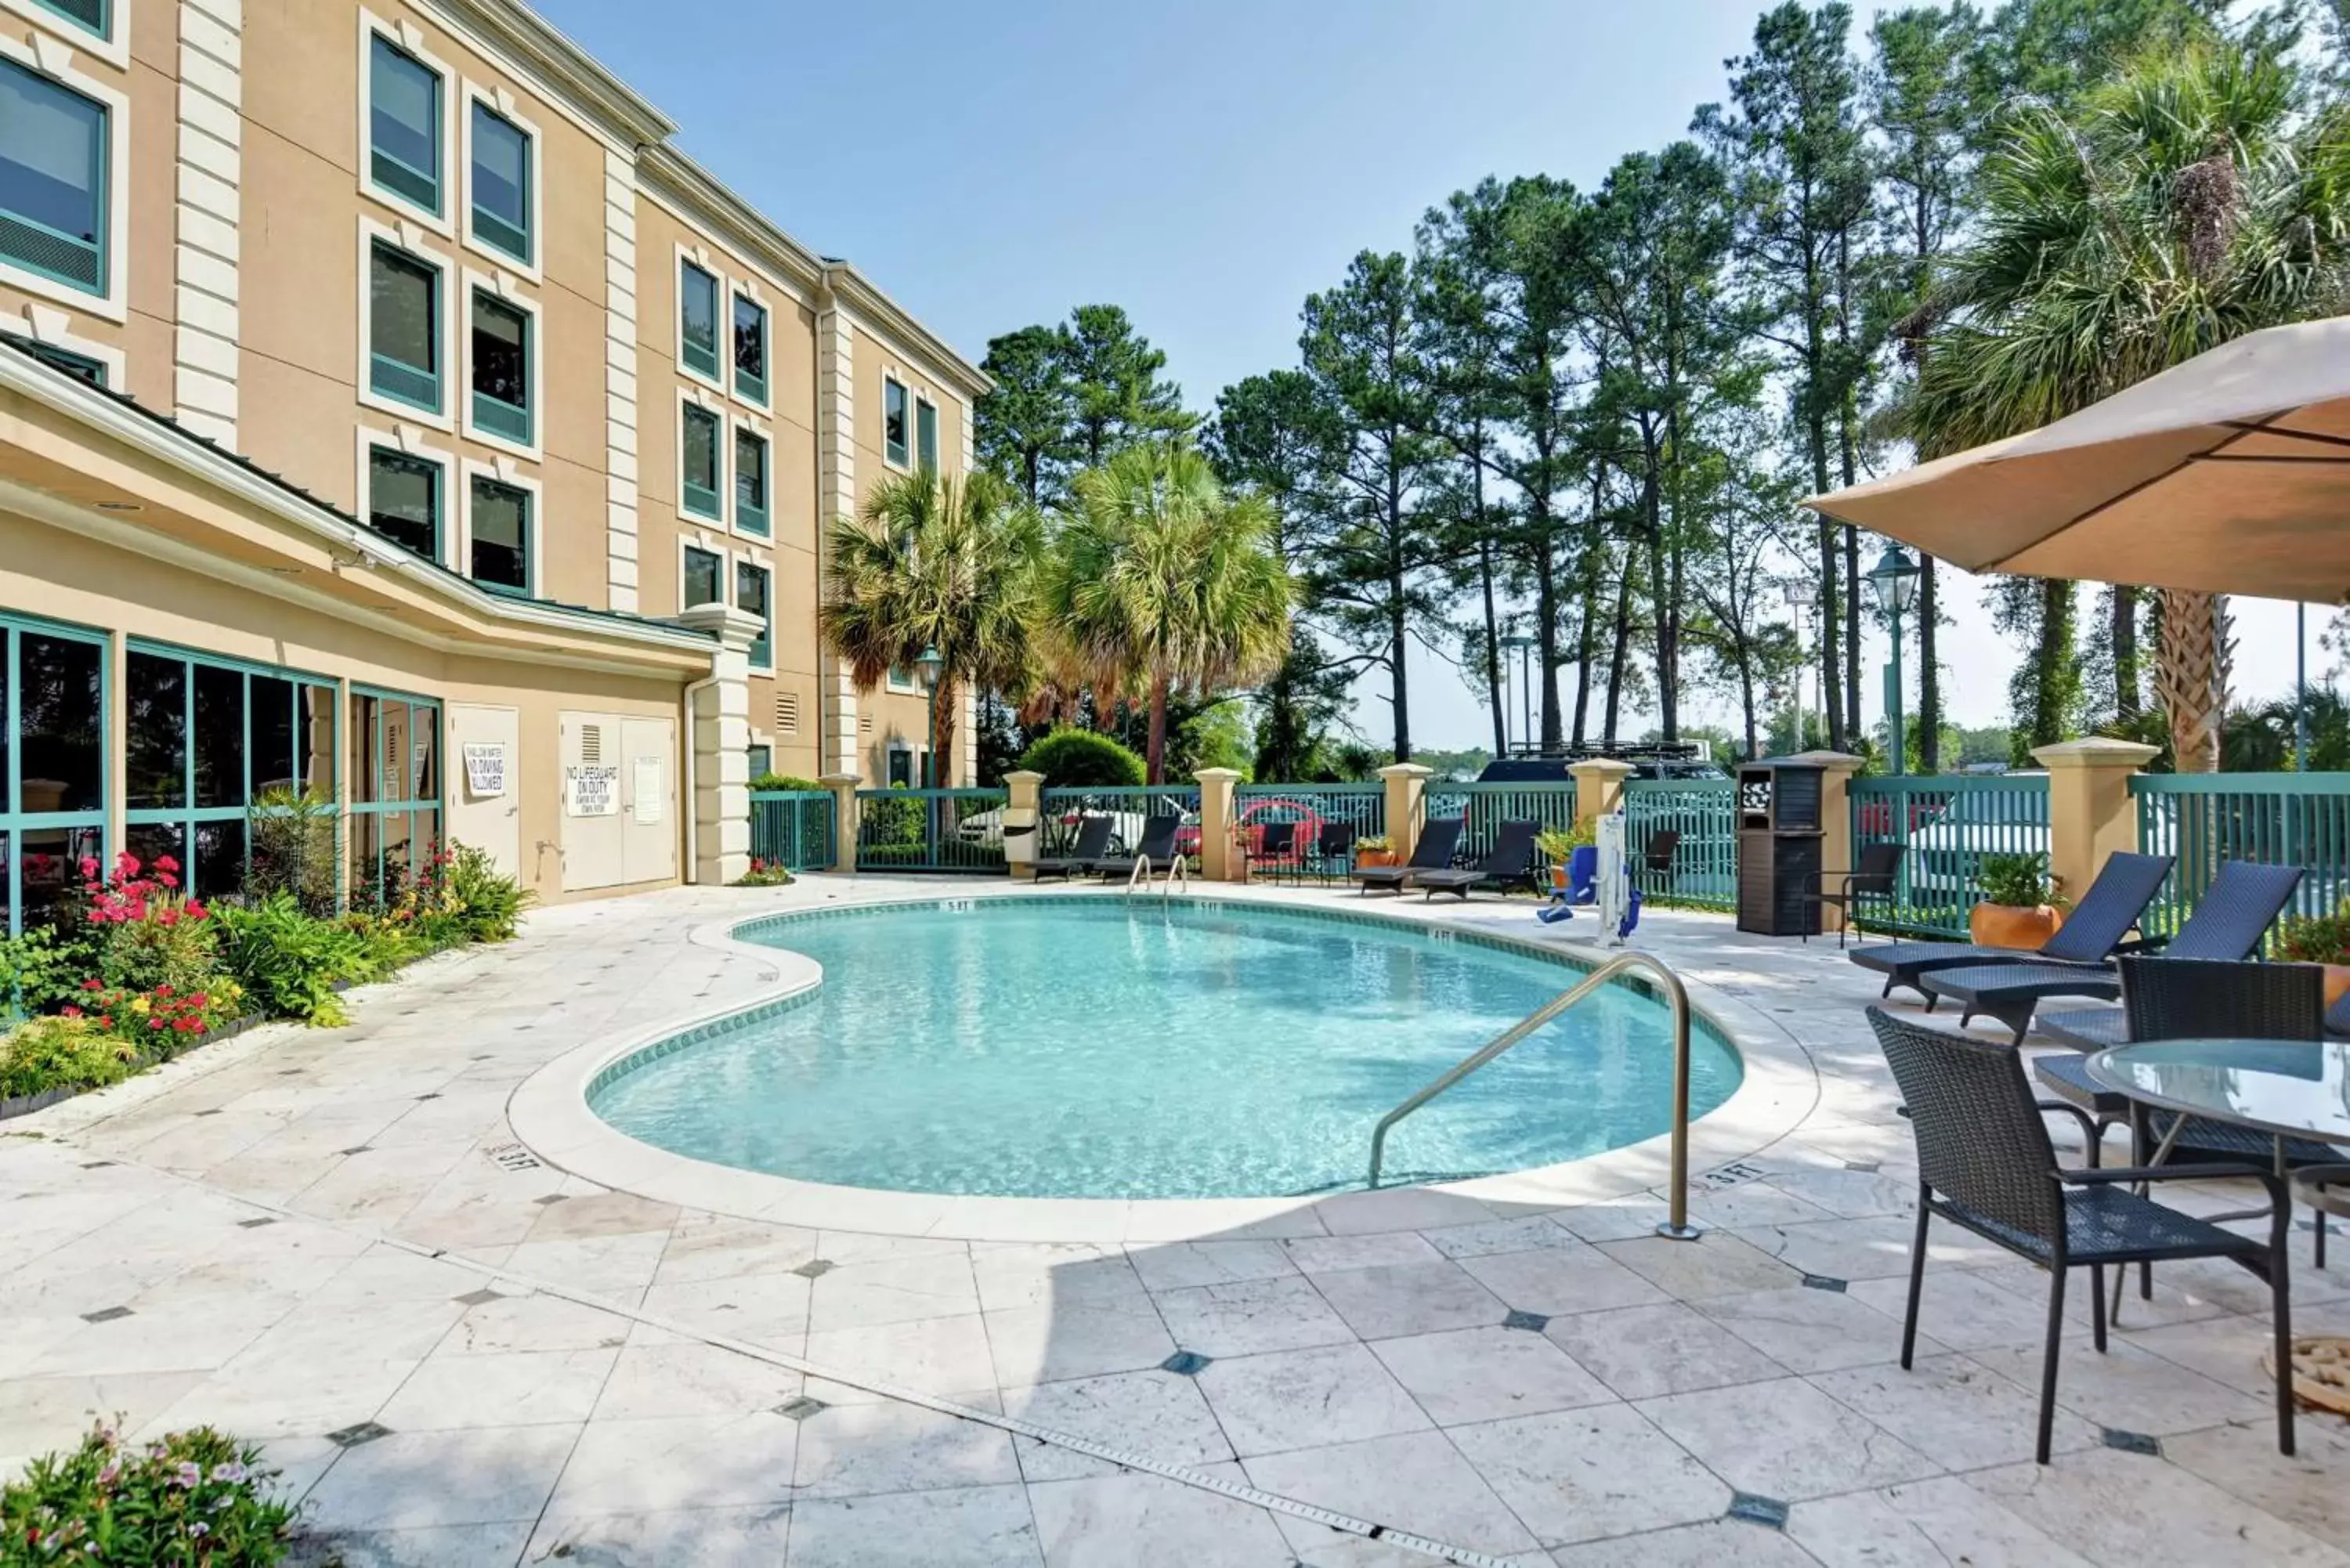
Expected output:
(165, 863)
(126, 865)
(90, 865)
(164, 990)
(196, 911)
(71, 1011)
(93, 984)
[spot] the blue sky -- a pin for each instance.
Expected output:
(1206, 165)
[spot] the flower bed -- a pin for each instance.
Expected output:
(189, 1500)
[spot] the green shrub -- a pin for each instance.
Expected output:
(886, 822)
(1075, 759)
(771, 781)
(190, 1499)
(37, 970)
(2315, 939)
(292, 833)
(764, 873)
(2017, 880)
(490, 903)
(44, 1053)
(290, 962)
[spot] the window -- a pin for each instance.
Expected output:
(750, 349)
(92, 16)
(66, 359)
(501, 404)
(207, 742)
(893, 421)
(500, 184)
(404, 328)
(53, 191)
(898, 680)
(403, 124)
(751, 481)
(763, 762)
(395, 790)
(698, 461)
(901, 767)
(52, 766)
(697, 319)
(700, 579)
(751, 598)
(926, 433)
(404, 500)
(499, 522)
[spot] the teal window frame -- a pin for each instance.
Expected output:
(751, 505)
(188, 816)
(717, 576)
(492, 414)
(700, 358)
(897, 447)
(526, 508)
(97, 244)
(87, 823)
(374, 813)
(763, 762)
(380, 51)
(746, 384)
(101, 29)
(385, 371)
(926, 434)
(492, 228)
(763, 646)
(694, 498)
(66, 359)
(440, 499)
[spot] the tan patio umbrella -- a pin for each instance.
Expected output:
(2229, 474)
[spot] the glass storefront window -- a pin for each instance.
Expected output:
(395, 790)
(52, 765)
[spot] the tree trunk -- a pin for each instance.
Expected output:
(2122, 630)
(1547, 636)
(1618, 658)
(1397, 685)
(1156, 757)
(942, 733)
(1852, 634)
(2191, 678)
(1929, 675)
(1492, 624)
(1831, 676)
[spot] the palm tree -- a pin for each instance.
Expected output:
(1161, 580)
(2190, 199)
(932, 562)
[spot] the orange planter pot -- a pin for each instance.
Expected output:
(2338, 982)
(1558, 879)
(2012, 925)
(1374, 857)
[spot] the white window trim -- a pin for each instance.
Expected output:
(504, 472)
(909, 688)
(410, 438)
(410, 37)
(735, 423)
(735, 594)
(698, 256)
(405, 237)
(114, 49)
(748, 287)
(505, 293)
(896, 745)
(881, 422)
(699, 397)
(725, 570)
(501, 102)
(54, 329)
(45, 55)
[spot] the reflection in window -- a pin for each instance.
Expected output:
(404, 500)
(52, 766)
(501, 536)
(403, 124)
(501, 183)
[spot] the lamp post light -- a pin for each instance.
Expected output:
(1802, 595)
(1894, 579)
(1524, 647)
(929, 667)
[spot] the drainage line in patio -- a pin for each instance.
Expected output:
(1273, 1503)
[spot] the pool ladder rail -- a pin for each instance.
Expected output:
(1177, 870)
(1677, 1226)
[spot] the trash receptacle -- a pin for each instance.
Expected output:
(1780, 836)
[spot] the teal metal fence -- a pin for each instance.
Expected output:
(1702, 869)
(1484, 807)
(930, 830)
(793, 828)
(1312, 807)
(1129, 808)
(2203, 820)
(1947, 823)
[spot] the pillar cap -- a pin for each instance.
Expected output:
(1225, 775)
(1603, 768)
(2096, 751)
(1833, 761)
(1405, 771)
(1022, 774)
(838, 781)
(735, 630)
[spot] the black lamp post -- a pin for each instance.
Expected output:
(1895, 581)
(929, 667)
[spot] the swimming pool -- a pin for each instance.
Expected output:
(1092, 1047)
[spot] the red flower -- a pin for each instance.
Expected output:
(93, 984)
(164, 989)
(165, 863)
(71, 1011)
(90, 865)
(199, 999)
(168, 880)
(155, 1023)
(126, 865)
(105, 1020)
(195, 911)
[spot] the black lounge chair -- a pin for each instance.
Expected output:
(1656, 854)
(1985, 1162)
(2227, 925)
(1092, 842)
(1438, 840)
(1334, 846)
(1876, 876)
(2097, 927)
(1156, 851)
(1512, 861)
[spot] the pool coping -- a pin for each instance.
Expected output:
(549, 1113)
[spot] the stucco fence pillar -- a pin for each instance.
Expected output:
(2090, 813)
(1220, 859)
(1023, 807)
(843, 819)
(1836, 851)
(1599, 786)
(1407, 786)
(720, 747)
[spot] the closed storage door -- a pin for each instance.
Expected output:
(485, 784)
(591, 816)
(649, 800)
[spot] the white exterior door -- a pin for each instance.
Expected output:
(591, 814)
(649, 800)
(484, 758)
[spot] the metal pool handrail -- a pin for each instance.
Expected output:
(1676, 997)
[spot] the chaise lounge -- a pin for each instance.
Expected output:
(1512, 860)
(1092, 844)
(2089, 936)
(1438, 840)
(1156, 851)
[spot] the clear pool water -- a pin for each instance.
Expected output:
(1091, 1048)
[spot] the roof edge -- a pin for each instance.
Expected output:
(866, 300)
(624, 112)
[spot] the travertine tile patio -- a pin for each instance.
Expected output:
(266, 1212)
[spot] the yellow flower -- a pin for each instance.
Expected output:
(139, 1005)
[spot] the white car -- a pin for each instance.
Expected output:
(1944, 848)
(984, 829)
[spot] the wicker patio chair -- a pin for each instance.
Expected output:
(1985, 1163)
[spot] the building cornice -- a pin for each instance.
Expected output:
(877, 312)
(524, 35)
(670, 176)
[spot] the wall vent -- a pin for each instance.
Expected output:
(864, 723)
(591, 745)
(788, 712)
